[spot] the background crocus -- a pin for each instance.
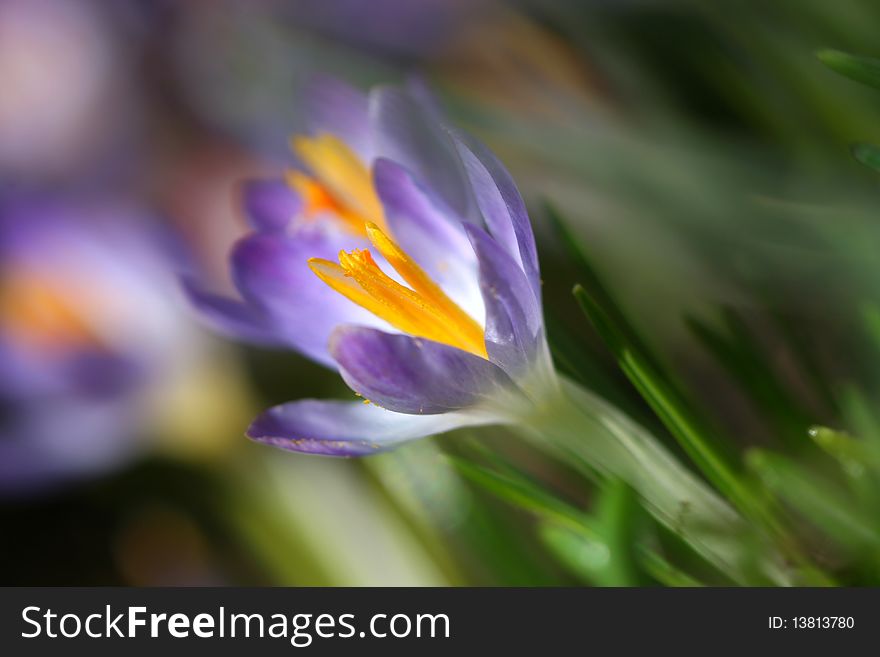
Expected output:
(88, 327)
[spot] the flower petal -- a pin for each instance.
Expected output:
(334, 107)
(272, 273)
(414, 375)
(232, 317)
(79, 437)
(501, 205)
(336, 428)
(430, 232)
(513, 316)
(406, 132)
(270, 205)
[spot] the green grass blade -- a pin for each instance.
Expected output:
(861, 415)
(744, 359)
(664, 572)
(638, 364)
(855, 67)
(605, 557)
(664, 401)
(620, 516)
(521, 492)
(867, 154)
(583, 555)
(680, 418)
(816, 500)
(579, 363)
(604, 549)
(846, 449)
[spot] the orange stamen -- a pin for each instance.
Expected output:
(423, 310)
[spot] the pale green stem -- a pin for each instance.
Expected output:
(574, 423)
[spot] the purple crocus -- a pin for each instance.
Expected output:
(399, 252)
(86, 326)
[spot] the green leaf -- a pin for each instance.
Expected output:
(867, 154)
(637, 362)
(581, 363)
(664, 572)
(623, 553)
(662, 395)
(603, 550)
(740, 353)
(861, 69)
(665, 402)
(816, 500)
(620, 515)
(523, 493)
(861, 414)
(855, 67)
(593, 561)
(858, 459)
(587, 558)
(843, 447)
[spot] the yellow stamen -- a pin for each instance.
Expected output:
(317, 199)
(342, 175)
(411, 272)
(423, 311)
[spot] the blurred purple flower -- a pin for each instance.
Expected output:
(440, 328)
(86, 324)
(62, 64)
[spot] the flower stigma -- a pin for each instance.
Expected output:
(341, 184)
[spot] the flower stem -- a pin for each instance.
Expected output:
(599, 439)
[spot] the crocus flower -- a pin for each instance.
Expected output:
(86, 327)
(400, 253)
